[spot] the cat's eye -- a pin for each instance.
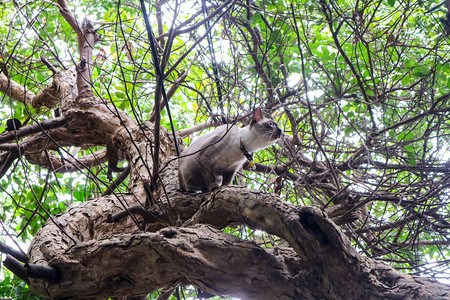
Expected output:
(271, 124)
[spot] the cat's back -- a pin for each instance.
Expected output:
(213, 141)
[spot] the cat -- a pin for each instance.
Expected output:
(213, 159)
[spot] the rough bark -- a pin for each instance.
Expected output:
(62, 87)
(117, 259)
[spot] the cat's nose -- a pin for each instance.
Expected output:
(279, 132)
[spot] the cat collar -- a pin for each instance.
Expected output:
(248, 155)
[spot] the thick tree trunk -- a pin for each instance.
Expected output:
(103, 259)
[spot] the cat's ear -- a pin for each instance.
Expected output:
(257, 115)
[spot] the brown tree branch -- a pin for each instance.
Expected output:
(19, 255)
(183, 255)
(16, 267)
(171, 92)
(70, 18)
(62, 88)
(14, 90)
(58, 164)
(31, 129)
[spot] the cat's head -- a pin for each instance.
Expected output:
(265, 128)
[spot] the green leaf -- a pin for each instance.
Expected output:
(421, 71)
(391, 133)
(412, 158)
(403, 137)
(406, 80)
(256, 19)
(409, 62)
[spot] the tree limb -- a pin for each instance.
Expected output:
(174, 256)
